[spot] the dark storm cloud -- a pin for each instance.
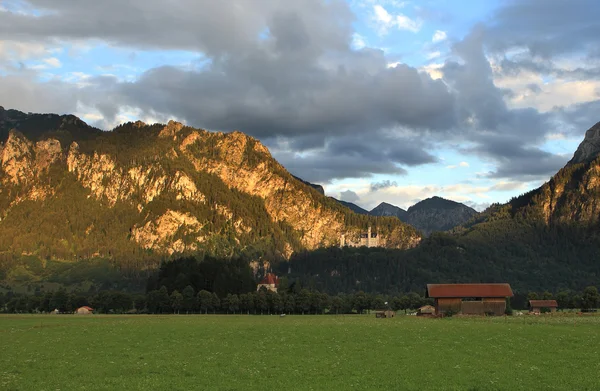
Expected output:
(285, 73)
(322, 167)
(507, 136)
(546, 28)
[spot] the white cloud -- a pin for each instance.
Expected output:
(405, 23)
(544, 92)
(385, 21)
(461, 164)
(433, 70)
(52, 62)
(433, 55)
(556, 136)
(358, 41)
(439, 36)
(394, 64)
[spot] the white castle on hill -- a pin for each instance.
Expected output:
(368, 239)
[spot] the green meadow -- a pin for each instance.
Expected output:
(220, 352)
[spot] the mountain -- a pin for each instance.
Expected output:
(353, 207)
(143, 193)
(438, 214)
(589, 148)
(546, 239)
(318, 188)
(430, 215)
(385, 209)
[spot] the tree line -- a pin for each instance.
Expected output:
(289, 301)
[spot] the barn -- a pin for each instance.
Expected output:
(470, 299)
(85, 310)
(536, 306)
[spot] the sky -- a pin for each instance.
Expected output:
(377, 100)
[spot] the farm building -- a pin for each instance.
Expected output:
(385, 314)
(470, 299)
(270, 282)
(426, 310)
(85, 310)
(536, 306)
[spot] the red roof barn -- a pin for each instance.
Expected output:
(472, 299)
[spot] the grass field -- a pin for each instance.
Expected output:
(68, 352)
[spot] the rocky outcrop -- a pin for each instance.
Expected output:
(174, 188)
(159, 233)
(17, 158)
(589, 149)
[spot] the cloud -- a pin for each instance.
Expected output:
(298, 77)
(433, 55)
(52, 62)
(461, 164)
(358, 41)
(438, 36)
(385, 21)
(349, 196)
(383, 185)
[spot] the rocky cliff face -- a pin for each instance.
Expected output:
(589, 148)
(167, 189)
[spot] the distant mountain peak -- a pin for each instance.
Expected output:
(436, 202)
(385, 209)
(589, 149)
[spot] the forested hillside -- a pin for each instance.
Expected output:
(140, 194)
(547, 239)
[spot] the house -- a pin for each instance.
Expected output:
(426, 310)
(85, 310)
(385, 314)
(470, 299)
(536, 306)
(270, 282)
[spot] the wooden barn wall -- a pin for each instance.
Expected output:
(446, 304)
(497, 307)
(472, 308)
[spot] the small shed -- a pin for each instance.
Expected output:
(385, 314)
(85, 310)
(536, 306)
(426, 310)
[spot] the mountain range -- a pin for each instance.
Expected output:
(80, 204)
(429, 215)
(545, 239)
(143, 193)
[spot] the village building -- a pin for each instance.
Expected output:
(536, 306)
(385, 314)
(270, 282)
(426, 310)
(366, 239)
(85, 310)
(470, 299)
